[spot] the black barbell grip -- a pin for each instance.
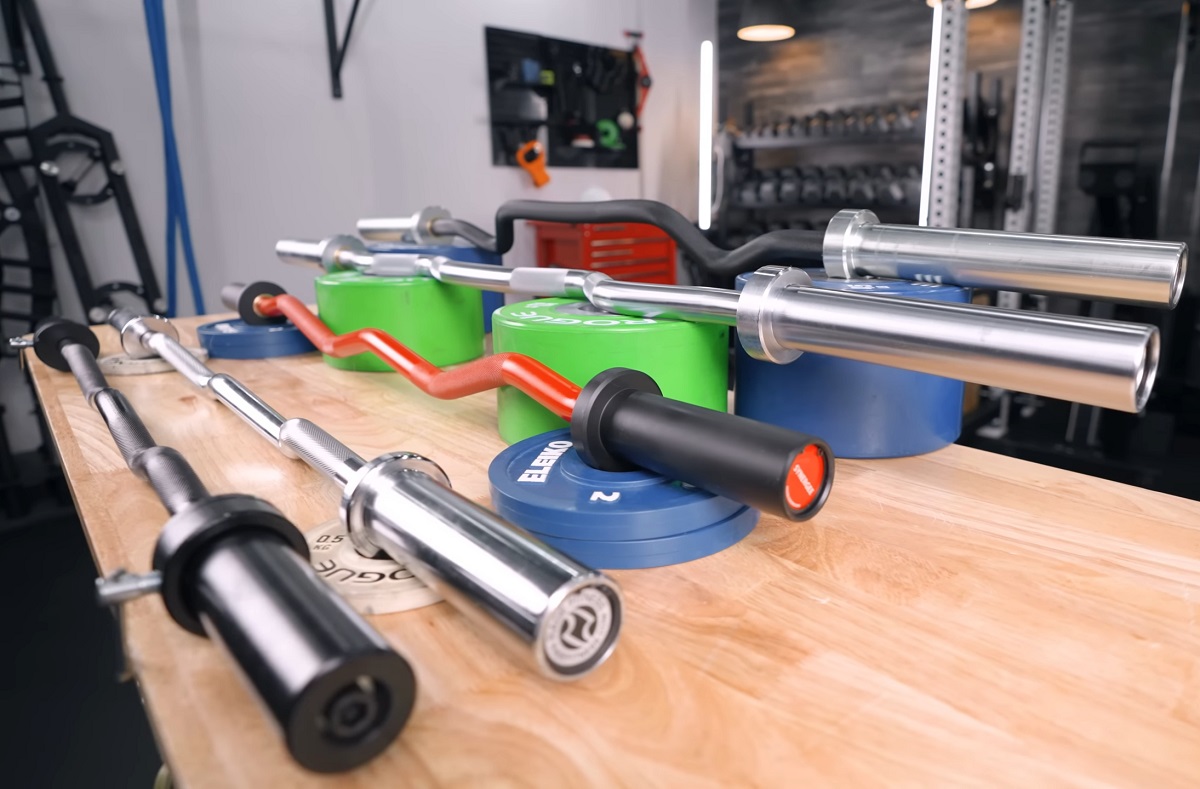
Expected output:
(622, 421)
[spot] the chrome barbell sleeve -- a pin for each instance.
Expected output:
(1109, 269)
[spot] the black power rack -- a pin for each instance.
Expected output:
(64, 161)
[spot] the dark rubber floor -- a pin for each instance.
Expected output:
(65, 721)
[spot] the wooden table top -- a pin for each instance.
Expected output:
(956, 618)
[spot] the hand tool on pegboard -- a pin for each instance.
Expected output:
(531, 156)
(856, 244)
(232, 568)
(779, 316)
(561, 615)
(644, 81)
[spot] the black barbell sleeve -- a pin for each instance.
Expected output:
(621, 421)
(339, 693)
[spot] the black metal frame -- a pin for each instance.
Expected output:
(51, 138)
(19, 486)
(337, 54)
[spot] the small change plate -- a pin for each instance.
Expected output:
(236, 339)
(372, 586)
(610, 519)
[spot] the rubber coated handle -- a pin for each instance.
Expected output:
(338, 691)
(622, 420)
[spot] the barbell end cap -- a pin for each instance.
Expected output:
(843, 235)
(755, 325)
(602, 590)
(1176, 291)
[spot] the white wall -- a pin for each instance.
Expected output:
(268, 153)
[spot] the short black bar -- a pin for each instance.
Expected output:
(622, 420)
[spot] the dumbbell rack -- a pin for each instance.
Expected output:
(820, 130)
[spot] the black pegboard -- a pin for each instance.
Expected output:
(566, 91)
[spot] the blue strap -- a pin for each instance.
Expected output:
(177, 213)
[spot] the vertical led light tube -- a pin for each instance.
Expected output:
(706, 135)
(930, 118)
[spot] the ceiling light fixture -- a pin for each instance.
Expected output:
(765, 20)
(971, 5)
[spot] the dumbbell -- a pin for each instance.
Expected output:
(908, 117)
(871, 120)
(789, 186)
(811, 190)
(817, 123)
(910, 181)
(889, 118)
(839, 122)
(860, 187)
(834, 185)
(888, 189)
(768, 188)
(852, 122)
(747, 191)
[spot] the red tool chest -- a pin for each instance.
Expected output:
(628, 251)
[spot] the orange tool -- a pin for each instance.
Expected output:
(532, 158)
